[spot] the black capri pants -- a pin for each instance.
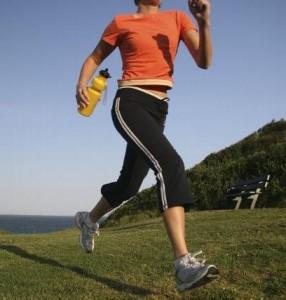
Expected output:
(140, 117)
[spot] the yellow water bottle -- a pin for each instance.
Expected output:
(98, 85)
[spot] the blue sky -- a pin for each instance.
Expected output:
(53, 161)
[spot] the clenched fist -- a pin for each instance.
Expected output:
(200, 10)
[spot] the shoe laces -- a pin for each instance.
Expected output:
(194, 261)
(91, 230)
(95, 229)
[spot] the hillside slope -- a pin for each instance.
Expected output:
(135, 261)
(262, 152)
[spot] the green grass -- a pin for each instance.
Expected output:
(135, 261)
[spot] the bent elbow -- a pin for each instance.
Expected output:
(202, 61)
(203, 65)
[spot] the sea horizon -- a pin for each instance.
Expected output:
(36, 215)
(31, 224)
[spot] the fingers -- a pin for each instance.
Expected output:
(82, 97)
(199, 7)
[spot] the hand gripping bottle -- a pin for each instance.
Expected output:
(98, 85)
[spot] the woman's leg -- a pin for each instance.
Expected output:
(140, 124)
(133, 172)
(174, 219)
(99, 210)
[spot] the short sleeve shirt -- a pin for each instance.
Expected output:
(148, 44)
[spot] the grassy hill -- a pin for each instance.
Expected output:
(262, 152)
(135, 261)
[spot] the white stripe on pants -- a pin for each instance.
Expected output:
(155, 163)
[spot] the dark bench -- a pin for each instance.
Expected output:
(249, 189)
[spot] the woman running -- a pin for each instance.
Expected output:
(148, 41)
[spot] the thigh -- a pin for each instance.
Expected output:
(139, 128)
(138, 124)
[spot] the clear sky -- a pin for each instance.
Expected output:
(53, 161)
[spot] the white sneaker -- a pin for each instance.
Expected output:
(191, 272)
(87, 230)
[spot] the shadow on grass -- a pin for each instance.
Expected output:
(116, 285)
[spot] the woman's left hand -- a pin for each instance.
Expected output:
(201, 10)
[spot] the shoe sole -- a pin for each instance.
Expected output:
(209, 275)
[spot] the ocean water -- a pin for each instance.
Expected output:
(34, 224)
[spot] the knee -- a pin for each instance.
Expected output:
(110, 193)
(114, 195)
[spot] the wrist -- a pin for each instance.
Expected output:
(81, 84)
(204, 23)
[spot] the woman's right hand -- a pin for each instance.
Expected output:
(82, 96)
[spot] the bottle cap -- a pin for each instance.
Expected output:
(104, 73)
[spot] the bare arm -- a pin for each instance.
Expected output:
(89, 66)
(200, 43)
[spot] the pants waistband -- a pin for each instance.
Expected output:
(166, 99)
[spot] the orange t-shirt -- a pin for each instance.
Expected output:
(148, 45)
